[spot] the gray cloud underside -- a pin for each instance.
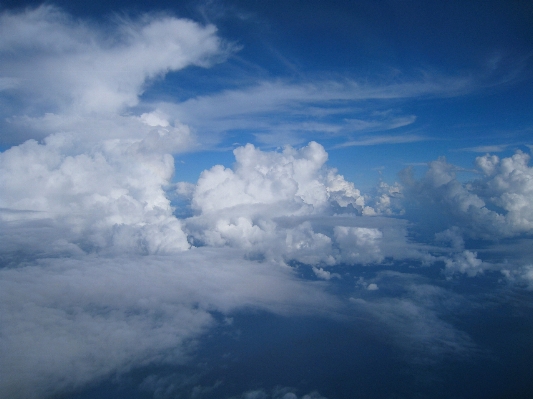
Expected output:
(67, 322)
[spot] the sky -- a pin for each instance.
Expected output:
(266, 200)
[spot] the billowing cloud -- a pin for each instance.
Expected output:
(282, 205)
(76, 76)
(493, 206)
(112, 197)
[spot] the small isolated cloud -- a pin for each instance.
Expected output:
(520, 275)
(279, 393)
(465, 262)
(324, 274)
(372, 287)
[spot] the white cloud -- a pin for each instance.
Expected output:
(109, 199)
(99, 276)
(383, 139)
(70, 73)
(66, 322)
(465, 262)
(486, 148)
(82, 67)
(509, 185)
(292, 176)
(523, 276)
(493, 206)
(303, 109)
(268, 204)
(359, 244)
(279, 393)
(324, 274)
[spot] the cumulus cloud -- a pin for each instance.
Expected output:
(293, 176)
(493, 206)
(521, 275)
(110, 198)
(97, 274)
(492, 211)
(271, 204)
(81, 68)
(279, 393)
(67, 72)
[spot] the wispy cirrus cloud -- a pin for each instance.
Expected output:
(383, 139)
(307, 110)
(487, 148)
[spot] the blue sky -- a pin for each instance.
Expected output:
(283, 199)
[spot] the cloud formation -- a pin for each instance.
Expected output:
(76, 76)
(70, 321)
(493, 206)
(286, 206)
(98, 276)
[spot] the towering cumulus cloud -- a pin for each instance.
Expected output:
(278, 205)
(99, 176)
(94, 279)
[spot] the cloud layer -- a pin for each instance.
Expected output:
(98, 276)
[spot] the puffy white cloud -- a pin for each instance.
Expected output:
(495, 209)
(509, 185)
(465, 262)
(279, 393)
(74, 76)
(102, 277)
(324, 274)
(91, 69)
(99, 176)
(520, 275)
(359, 244)
(493, 206)
(111, 198)
(268, 204)
(259, 177)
